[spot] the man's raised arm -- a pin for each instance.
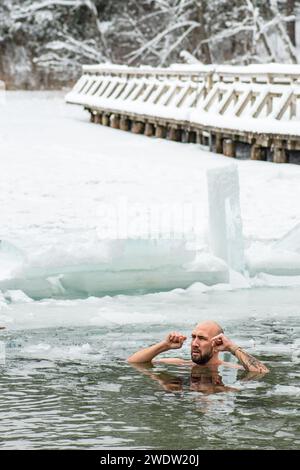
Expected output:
(250, 363)
(173, 341)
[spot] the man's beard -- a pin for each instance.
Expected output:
(200, 358)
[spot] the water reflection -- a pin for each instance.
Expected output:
(205, 380)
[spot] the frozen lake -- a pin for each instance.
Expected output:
(68, 187)
(64, 380)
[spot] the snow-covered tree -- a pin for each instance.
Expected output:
(235, 31)
(44, 42)
(50, 39)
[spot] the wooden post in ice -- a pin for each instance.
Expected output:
(280, 154)
(219, 143)
(160, 131)
(199, 138)
(124, 123)
(115, 121)
(98, 118)
(105, 119)
(137, 127)
(225, 221)
(185, 136)
(258, 153)
(192, 137)
(149, 129)
(174, 134)
(229, 148)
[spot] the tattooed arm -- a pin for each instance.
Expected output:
(250, 363)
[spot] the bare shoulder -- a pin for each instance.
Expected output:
(172, 360)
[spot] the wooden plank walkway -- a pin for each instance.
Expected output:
(219, 106)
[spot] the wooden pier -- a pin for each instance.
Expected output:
(223, 107)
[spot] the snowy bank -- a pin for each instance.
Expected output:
(64, 184)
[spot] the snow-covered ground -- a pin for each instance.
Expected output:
(68, 186)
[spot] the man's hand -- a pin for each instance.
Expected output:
(250, 363)
(222, 343)
(175, 340)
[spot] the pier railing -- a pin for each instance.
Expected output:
(220, 106)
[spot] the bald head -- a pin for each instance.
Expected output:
(212, 328)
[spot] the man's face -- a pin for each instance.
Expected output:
(201, 348)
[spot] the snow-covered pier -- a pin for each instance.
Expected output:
(219, 106)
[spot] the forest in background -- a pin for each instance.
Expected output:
(43, 43)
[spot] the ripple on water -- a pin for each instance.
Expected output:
(70, 388)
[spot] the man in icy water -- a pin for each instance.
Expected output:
(208, 340)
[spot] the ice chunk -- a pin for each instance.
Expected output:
(129, 266)
(265, 259)
(225, 222)
(282, 258)
(11, 258)
(17, 296)
(290, 241)
(269, 280)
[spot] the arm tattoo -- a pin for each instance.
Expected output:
(249, 362)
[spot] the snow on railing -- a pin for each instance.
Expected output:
(250, 100)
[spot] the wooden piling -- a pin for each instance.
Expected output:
(115, 121)
(174, 134)
(210, 142)
(160, 132)
(98, 118)
(184, 136)
(124, 123)
(192, 137)
(258, 153)
(280, 155)
(199, 137)
(105, 119)
(229, 148)
(137, 127)
(149, 129)
(218, 143)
